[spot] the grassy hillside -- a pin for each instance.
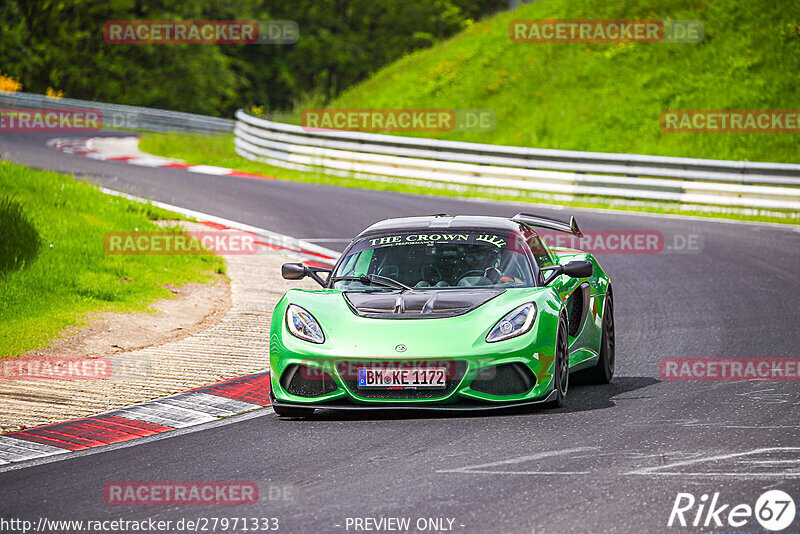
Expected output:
(54, 270)
(581, 96)
(608, 97)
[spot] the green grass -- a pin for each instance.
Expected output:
(218, 151)
(609, 97)
(53, 225)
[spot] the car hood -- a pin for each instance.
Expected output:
(349, 334)
(427, 304)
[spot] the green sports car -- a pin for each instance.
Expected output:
(443, 312)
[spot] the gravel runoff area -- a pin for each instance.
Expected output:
(236, 345)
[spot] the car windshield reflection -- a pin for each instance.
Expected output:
(432, 260)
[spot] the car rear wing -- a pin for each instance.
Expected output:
(539, 221)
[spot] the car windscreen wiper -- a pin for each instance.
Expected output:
(369, 279)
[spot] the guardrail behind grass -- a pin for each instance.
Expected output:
(120, 116)
(702, 182)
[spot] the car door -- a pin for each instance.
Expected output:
(575, 294)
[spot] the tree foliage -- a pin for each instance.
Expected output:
(60, 44)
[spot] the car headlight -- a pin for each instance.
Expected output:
(514, 324)
(303, 325)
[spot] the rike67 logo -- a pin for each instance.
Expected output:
(774, 510)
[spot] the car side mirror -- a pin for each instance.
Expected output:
(579, 269)
(298, 271)
(574, 269)
(294, 271)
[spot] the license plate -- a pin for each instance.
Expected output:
(408, 378)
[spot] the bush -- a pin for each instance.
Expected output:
(19, 240)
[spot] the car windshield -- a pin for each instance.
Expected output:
(437, 260)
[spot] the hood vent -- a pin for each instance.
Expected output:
(430, 304)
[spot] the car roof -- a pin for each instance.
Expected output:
(445, 222)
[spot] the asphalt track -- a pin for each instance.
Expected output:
(613, 460)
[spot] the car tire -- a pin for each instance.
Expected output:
(603, 372)
(561, 367)
(291, 411)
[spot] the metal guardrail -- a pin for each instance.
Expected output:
(120, 116)
(550, 172)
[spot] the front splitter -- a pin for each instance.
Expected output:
(418, 407)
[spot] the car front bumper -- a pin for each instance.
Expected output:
(502, 380)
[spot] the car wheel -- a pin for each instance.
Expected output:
(603, 372)
(561, 374)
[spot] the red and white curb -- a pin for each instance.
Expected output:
(126, 150)
(190, 408)
(194, 407)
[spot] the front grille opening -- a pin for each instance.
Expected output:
(508, 379)
(305, 381)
